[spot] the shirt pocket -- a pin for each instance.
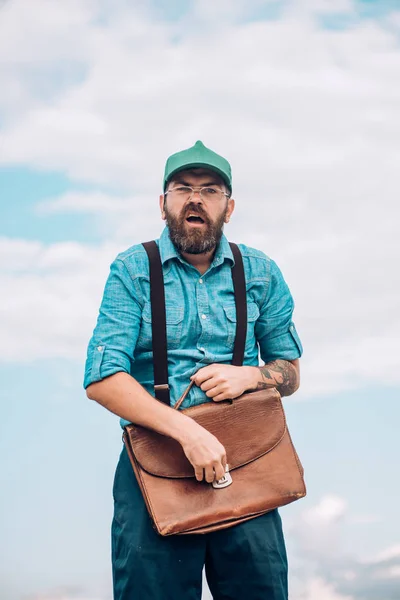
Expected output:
(253, 313)
(174, 318)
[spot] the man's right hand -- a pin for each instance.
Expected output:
(206, 454)
(125, 397)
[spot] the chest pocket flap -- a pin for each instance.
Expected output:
(174, 318)
(253, 312)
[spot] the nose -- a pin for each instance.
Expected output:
(198, 194)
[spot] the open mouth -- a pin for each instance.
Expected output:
(194, 219)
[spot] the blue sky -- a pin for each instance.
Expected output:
(302, 98)
(21, 189)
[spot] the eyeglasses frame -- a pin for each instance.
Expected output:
(195, 189)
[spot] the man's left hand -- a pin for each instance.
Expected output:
(225, 382)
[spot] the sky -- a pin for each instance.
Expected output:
(302, 97)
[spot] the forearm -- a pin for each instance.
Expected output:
(284, 375)
(122, 395)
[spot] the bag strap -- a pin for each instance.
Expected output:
(159, 322)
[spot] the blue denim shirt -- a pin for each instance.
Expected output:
(201, 317)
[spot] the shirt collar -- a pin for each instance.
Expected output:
(168, 250)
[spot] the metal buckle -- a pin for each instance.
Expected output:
(162, 386)
(224, 481)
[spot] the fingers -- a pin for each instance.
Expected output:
(209, 384)
(210, 474)
(214, 391)
(214, 473)
(222, 396)
(203, 374)
(219, 471)
(206, 454)
(218, 393)
(199, 473)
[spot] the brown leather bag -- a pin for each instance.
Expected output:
(264, 469)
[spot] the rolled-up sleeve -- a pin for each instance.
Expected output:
(113, 343)
(275, 330)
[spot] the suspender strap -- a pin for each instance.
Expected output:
(239, 288)
(159, 323)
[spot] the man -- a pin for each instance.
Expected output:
(248, 560)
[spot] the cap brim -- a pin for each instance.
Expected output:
(198, 165)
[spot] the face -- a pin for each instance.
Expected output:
(196, 225)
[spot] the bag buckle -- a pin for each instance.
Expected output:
(224, 481)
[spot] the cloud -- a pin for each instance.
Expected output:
(393, 552)
(50, 298)
(323, 564)
(63, 596)
(318, 589)
(306, 114)
(68, 593)
(78, 202)
(329, 510)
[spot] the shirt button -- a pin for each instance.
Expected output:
(204, 316)
(200, 281)
(202, 349)
(100, 348)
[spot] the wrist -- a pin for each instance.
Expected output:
(186, 429)
(252, 378)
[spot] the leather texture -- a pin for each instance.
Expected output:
(264, 466)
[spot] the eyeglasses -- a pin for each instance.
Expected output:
(208, 193)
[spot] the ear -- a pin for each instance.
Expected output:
(230, 209)
(162, 200)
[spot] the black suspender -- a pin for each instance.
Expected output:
(239, 288)
(159, 323)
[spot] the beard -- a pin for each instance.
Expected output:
(193, 240)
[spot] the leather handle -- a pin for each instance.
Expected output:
(185, 393)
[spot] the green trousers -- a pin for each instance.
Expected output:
(245, 562)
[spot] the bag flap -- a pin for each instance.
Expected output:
(247, 427)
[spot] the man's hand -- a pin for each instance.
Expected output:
(205, 453)
(225, 382)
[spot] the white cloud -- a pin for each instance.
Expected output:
(50, 300)
(94, 202)
(307, 116)
(327, 511)
(63, 596)
(310, 122)
(318, 589)
(323, 566)
(390, 572)
(393, 552)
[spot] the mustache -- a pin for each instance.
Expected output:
(195, 209)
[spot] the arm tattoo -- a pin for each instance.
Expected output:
(280, 374)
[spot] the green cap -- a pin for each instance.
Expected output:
(198, 156)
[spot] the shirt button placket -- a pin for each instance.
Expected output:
(202, 307)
